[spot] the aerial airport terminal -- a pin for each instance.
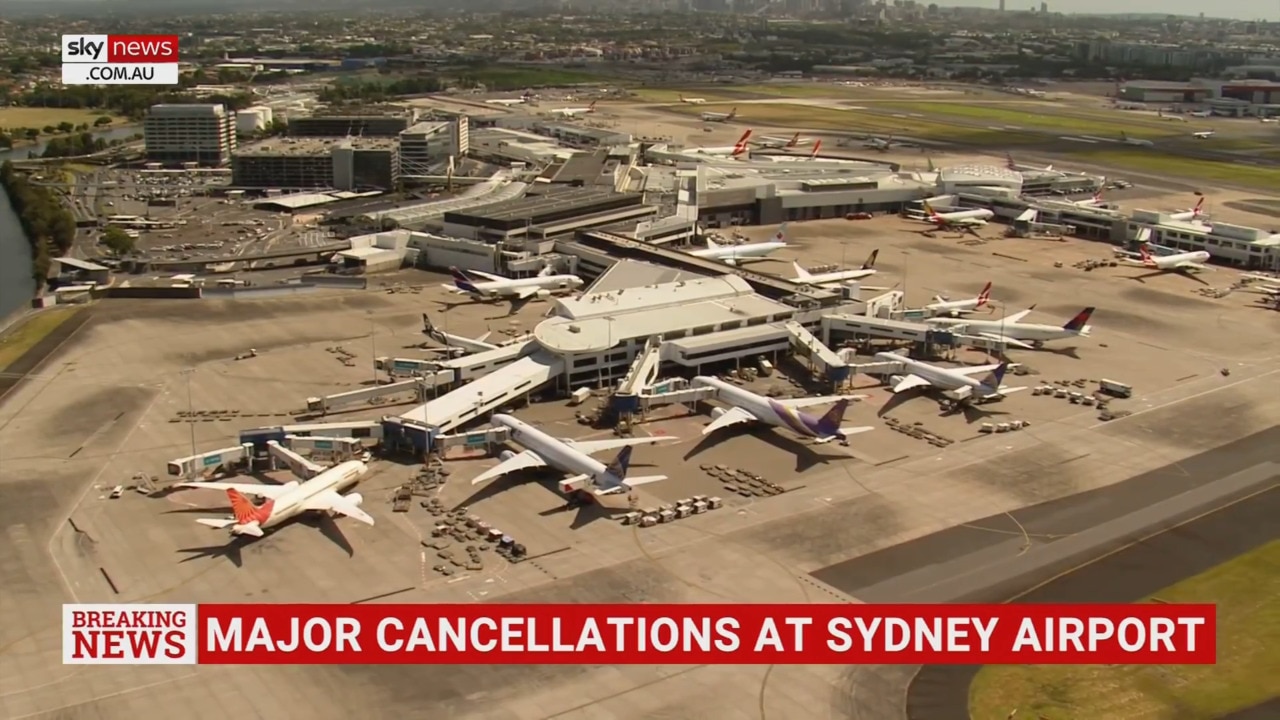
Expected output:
(802, 369)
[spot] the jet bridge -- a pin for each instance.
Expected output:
(361, 395)
(331, 449)
(644, 370)
(823, 359)
(487, 392)
(672, 392)
(299, 465)
(209, 462)
(858, 328)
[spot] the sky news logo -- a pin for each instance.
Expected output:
(120, 59)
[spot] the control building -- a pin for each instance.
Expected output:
(314, 163)
(181, 133)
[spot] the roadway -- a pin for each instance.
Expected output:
(1107, 545)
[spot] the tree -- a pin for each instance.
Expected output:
(117, 241)
(102, 120)
(65, 127)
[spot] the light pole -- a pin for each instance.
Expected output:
(373, 346)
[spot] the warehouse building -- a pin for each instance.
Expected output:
(548, 215)
(189, 133)
(355, 164)
(1154, 91)
(356, 126)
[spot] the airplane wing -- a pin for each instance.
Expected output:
(526, 293)
(520, 461)
(909, 382)
(263, 491)
(333, 502)
(591, 447)
(1188, 265)
(1017, 317)
(797, 403)
(730, 261)
(486, 275)
(976, 369)
(1007, 340)
(732, 416)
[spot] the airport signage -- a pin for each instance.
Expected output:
(834, 634)
(120, 59)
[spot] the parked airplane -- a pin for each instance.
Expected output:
(883, 145)
(744, 253)
(1124, 138)
(1202, 135)
(569, 112)
(1201, 113)
(773, 141)
(958, 383)
(1014, 166)
(495, 287)
(692, 101)
(962, 219)
(943, 306)
(1185, 263)
(570, 456)
(749, 407)
(1094, 201)
(1013, 331)
(804, 277)
(455, 344)
(284, 502)
(1187, 215)
(735, 150)
(720, 117)
(1267, 119)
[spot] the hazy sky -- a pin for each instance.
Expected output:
(1242, 9)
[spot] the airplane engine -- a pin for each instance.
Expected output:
(355, 499)
(895, 379)
(542, 294)
(716, 413)
(506, 455)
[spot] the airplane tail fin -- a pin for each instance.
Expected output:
(1145, 254)
(1009, 161)
(829, 424)
(1080, 321)
(732, 114)
(817, 147)
(245, 511)
(996, 376)
(618, 468)
(546, 270)
(871, 260)
(1199, 206)
(781, 235)
(984, 297)
(712, 244)
(592, 106)
(461, 281)
(801, 273)
(794, 141)
(427, 326)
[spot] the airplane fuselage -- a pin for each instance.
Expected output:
(1015, 331)
(293, 503)
(731, 252)
(832, 278)
(939, 377)
(1171, 262)
(962, 215)
(954, 305)
(764, 409)
(554, 452)
(503, 288)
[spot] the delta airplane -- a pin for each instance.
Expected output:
(735, 150)
(748, 407)
(1187, 215)
(958, 383)
(1184, 263)
(1012, 331)
(284, 502)
(570, 112)
(1203, 134)
(943, 306)
(570, 456)
(692, 101)
(744, 253)
(960, 219)
(804, 277)
(494, 287)
(720, 117)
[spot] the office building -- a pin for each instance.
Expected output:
(203, 134)
(312, 163)
(427, 145)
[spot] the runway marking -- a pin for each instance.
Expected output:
(108, 696)
(1171, 403)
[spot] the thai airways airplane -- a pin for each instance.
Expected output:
(804, 277)
(748, 407)
(963, 219)
(1185, 263)
(570, 456)
(720, 117)
(1012, 331)
(959, 383)
(734, 150)
(285, 502)
(569, 112)
(494, 287)
(1188, 215)
(744, 253)
(692, 101)
(943, 306)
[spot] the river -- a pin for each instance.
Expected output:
(16, 285)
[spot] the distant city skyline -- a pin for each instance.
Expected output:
(1242, 10)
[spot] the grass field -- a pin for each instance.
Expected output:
(1156, 163)
(1042, 116)
(29, 332)
(855, 122)
(22, 117)
(1248, 670)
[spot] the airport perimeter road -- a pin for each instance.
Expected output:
(1148, 533)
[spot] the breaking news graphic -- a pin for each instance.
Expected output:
(638, 634)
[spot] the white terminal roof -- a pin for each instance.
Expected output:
(644, 312)
(596, 304)
(365, 253)
(968, 173)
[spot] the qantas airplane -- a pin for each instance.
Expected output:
(943, 306)
(1194, 213)
(1184, 263)
(959, 219)
(720, 117)
(735, 150)
(321, 493)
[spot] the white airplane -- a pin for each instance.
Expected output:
(958, 219)
(570, 456)
(692, 101)
(720, 117)
(958, 383)
(735, 150)
(773, 141)
(456, 344)
(1124, 138)
(1018, 168)
(1201, 113)
(1203, 134)
(569, 112)
(1186, 215)
(744, 253)
(943, 306)
(804, 277)
(1012, 331)
(507, 102)
(494, 287)
(284, 502)
(876, 143)
(1184, 263)
(748, 407)
(1094, 201)
(1267, 119)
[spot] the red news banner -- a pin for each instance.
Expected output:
(639, 634)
